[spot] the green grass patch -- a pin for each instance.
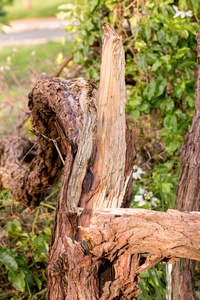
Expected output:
(20, 69)
(25, 61)
(38, 9)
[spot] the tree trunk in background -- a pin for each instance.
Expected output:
(188, 194)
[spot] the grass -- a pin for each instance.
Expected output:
(25, 63)
(38, 9)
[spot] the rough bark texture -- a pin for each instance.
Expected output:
(172, 234)
(188, 194)
(27, 169)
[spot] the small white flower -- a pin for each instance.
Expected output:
(145, 197)
(33, 53)
(140, 200)
(180, 13)
(137, 172)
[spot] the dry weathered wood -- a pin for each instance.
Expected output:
(24, 166)
(115, 154)
(188, 193)
(113, 147)
(172, 234)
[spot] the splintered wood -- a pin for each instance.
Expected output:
(109, 165)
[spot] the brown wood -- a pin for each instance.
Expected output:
(188, 194)
(173, 234)
(99, 171)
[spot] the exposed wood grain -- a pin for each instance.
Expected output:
(171, 234)
(109, 165)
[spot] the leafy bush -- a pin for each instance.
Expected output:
(3, 13)
(24, 237)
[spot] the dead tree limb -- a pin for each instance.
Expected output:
(172, 234)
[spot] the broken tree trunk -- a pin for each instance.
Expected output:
(97, 175)
(188, 194)
(98, 153)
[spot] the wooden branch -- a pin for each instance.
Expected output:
(173, 234)
(63, 65)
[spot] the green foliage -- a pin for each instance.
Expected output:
(25, 237)
(3, 13)
(154, 279)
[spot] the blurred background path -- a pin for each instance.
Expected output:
(33, 31)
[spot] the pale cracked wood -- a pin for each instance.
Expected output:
(109, 166)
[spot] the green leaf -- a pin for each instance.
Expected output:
(142, 61)
(161, 34)
(180, 114)
(170, 121)
(47, 231)
(38, 282)
(92, 4)
(156, 65)
(181, 52)
(150, 90)
(167, 105)
(188, 63)
(136, 114)
(172, 146)
(160, 86)
(136, 30)
(77, 57)
(174, 39)
(146, 31)
(8, 260)
(152, 56)
(13, 227)
(136, 101)
(90, 39)
(17, 279)
(166, 187)
(144, 107)
(190, 99)
(194, 6)
(88, 24)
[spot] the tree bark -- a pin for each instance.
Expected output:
(115, 231)
(188, 193)
(28, 168)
